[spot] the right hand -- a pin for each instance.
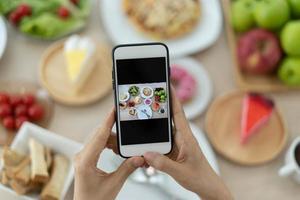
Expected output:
(189, 167)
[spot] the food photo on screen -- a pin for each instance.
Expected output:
(143, 101)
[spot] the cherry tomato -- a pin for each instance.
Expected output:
(63, 12)
(5, 110)
(15, 17)
(24, 10)
(4, 98)
(21, 110)
(29, 99)
(36, 112)
(20, 120)
(9, 122)
(15, 100)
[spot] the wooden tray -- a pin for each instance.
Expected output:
(248, 82)
(223, 130)
(54, 78)
(18, 88)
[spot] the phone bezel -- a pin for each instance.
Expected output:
(142, 50)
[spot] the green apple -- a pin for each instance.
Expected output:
(242, 18)
(271, 14)
(289, 71)
(290, 38)
(295, 8)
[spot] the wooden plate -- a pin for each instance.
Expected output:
(18, 88)
(259, 83)
(223, 130)
(53, 77)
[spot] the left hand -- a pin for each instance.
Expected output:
(92, 183)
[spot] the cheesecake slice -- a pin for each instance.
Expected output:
(80, 57)
(256, 112)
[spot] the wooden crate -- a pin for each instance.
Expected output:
(248, 82)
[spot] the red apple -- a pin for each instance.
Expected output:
(259, 52)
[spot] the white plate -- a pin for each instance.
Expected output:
(143, 95)
(134, 191)
(56, 142)
(144, 112)
(121, 31)
(3, 36)
(126, 99)
(204, 92)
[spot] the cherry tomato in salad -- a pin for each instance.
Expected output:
(63, 12)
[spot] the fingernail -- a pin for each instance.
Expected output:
(150, 155)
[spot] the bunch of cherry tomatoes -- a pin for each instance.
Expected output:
(17, 109)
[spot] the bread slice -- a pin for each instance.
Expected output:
(4, 178)
(39, 170)
(48, 156)
(53, 189)
(21, 189)
(11, 171)
(11, 157)
(23, 176)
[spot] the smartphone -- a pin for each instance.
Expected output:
(142, 98)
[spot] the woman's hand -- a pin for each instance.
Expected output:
(188, 166)
(92, 183)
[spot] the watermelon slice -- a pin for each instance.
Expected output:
(257, 110)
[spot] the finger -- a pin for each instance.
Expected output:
(112, 143)
(180, 121)
(178, 142)
(98, 142)
(161, 162)
(127, 167)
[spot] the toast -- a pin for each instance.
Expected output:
(21, 189)
(11, 157)
(39, 170)
(48, 156)
(53, 189)
(24, 174)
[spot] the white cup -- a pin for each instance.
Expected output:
(291, 167)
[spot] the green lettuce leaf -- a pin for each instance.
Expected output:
(49, 26)
(8, 5)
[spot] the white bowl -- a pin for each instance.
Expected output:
(126, 99)
(56, 142)
(142, 92)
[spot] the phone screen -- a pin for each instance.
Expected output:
(143, 100)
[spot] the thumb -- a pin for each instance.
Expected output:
(161, 162)
(128, 166)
